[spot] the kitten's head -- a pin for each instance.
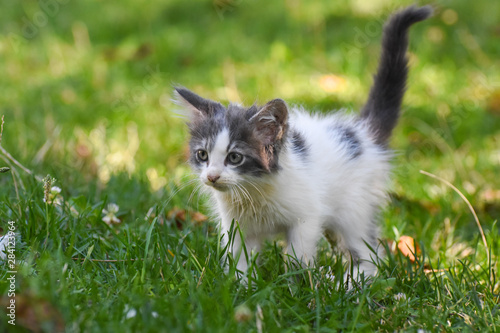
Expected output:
(234, 145)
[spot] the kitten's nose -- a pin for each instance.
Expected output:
(213, 178)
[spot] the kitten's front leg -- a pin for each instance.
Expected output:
(241, 249)
(364, 256)
(302, 240)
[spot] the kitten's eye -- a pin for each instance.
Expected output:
(202, 155)
(235, 158)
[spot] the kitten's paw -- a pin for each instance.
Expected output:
(352, 278)
(362, 273)
(338, 283)
(357, 280)
(246, 278)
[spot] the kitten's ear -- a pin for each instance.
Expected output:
(197, 107)
(271, 121)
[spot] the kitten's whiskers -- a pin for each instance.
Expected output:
(249, 200)
(180, 188)
(197, 188)
(255, 186)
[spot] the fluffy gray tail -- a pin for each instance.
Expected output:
(382, 108)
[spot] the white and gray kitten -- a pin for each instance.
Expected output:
(275, 169)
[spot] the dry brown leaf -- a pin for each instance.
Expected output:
(406, 246)
(198, 217)
(177, 214)
(494, 103)
(181, 215)
(36, 314)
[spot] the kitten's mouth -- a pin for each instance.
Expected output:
(217, 186)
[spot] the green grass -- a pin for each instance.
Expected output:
(86, 98)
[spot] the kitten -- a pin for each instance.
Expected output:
(275, 169)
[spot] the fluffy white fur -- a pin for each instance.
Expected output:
(328, 192)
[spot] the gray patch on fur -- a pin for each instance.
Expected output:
(259, 132)
(349, 139)
(203, 135)
(242, 136)
(299, 144)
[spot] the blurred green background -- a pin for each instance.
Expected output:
(86, 90)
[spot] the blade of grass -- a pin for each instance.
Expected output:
(447, 183)
(148, 240)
